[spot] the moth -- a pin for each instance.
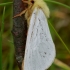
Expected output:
(40, 49)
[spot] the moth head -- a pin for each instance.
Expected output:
(32, 1)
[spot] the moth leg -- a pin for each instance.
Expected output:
(20, 13)
(28, 2)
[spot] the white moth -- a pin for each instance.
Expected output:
(40, 49)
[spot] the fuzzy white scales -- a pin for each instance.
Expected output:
(40, 49)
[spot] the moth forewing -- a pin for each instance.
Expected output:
(40, 49)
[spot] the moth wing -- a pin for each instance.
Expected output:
(40, 49)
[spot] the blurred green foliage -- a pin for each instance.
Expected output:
(59, 18)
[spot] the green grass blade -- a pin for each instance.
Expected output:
(61, 64)
(4, 4)
(58, 3)
(2, 28)
(11, 56)
(11, 45)
(59, 37)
